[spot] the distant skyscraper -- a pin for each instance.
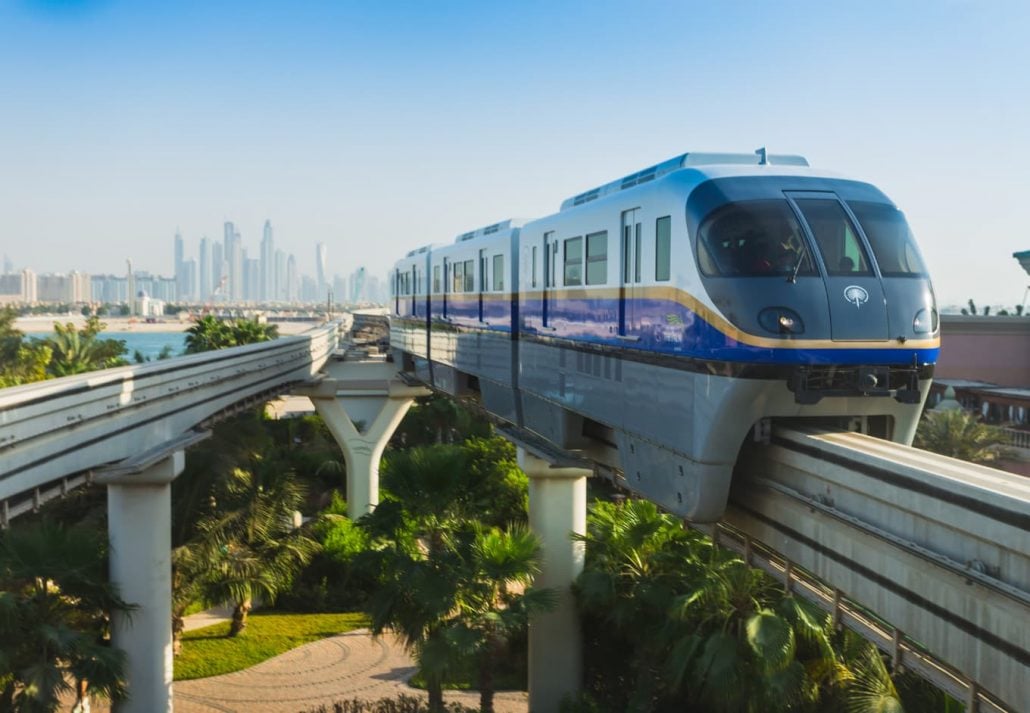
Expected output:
(204, 270)
(232, 246)
(217, 270)
(280, 276)
(130, 279)
(320, 269)
(267, 264)
(180, 278)
(8, 266)
(357, 286)
(188, 291)
(339, 289)
(292, 280)
(251, 279)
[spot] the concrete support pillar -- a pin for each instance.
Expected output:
(362, 450)
(140, 530)
(557, 508)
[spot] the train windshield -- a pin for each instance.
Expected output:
(751, 239)
(890, 238)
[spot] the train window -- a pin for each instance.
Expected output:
(459, 277)
(597, 258)
(636, 255)
(752, 238)
(838, 241)
(532, 263)
(498, 272)
(436, 278)
(888, 233)
(574, 261)
(662, 248)
(470, 275)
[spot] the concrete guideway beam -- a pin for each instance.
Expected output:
(557, 509)
(936, 547)
(362, 403)
(139, 505)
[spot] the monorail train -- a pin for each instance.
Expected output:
(654, 322)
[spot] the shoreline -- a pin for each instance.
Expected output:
(127, 325)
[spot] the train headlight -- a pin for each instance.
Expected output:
(925, 321)
(780, 320)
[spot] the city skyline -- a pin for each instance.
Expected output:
(377, 129)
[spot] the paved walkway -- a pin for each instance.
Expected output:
(344, 667)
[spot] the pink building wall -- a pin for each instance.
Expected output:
(991, 349)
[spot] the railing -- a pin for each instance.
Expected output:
(1018, 438)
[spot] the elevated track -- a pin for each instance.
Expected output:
(53, 434)
(926, 556)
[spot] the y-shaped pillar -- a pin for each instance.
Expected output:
(362, 402)
(362, 450)
(139, 507)
(557, 509)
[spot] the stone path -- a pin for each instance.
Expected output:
(344, 667)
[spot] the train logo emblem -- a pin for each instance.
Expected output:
(856, 295)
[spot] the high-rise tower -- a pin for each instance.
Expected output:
(320, 269)
(181, 288)
(204, 271)
(267, 291)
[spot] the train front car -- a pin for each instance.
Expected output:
(740, 289)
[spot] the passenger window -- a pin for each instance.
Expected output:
(459, 277)
(574, 261)
(597, 258)
(838, 242)
(498, 273)
(436, 278)
(532, 263)
(753, 239)
(890, 238)
(470, 275)
(662, 248)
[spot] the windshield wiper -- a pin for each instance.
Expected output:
(797, 266)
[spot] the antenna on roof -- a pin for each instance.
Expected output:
(762, 159)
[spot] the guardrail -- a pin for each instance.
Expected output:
(1018, 438)
(53, 432)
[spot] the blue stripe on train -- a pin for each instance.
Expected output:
(664, 327)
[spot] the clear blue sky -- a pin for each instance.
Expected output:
(380, 126)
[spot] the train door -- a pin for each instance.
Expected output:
(397, 292)
(629, 291)
(414, 290)
(858, 305)
(482, 281)
(446, 278)
(550, 258)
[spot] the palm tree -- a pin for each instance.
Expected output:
(210, 333)
(691, 625)
(21, 361)
(76, 351)
(55, 604)
(251, 548)
(207, 334)
(495, 600)
(960, 434)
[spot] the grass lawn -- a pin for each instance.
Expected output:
(210, 651)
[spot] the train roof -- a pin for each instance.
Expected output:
(509, 224)
(686, 160)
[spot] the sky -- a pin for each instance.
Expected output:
(381, 126)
